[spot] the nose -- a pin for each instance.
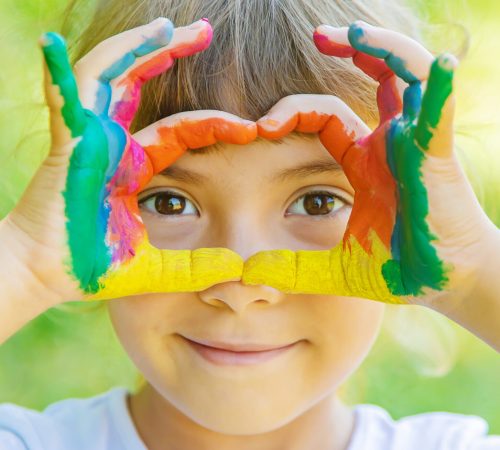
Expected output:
(245, 234)
(237, 296)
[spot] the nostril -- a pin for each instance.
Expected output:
(215, 302)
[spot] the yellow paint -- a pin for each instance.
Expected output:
(155, 270)
(350, 272)
(347, 272)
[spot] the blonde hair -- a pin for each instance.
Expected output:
(262, 50)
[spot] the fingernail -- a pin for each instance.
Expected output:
(447, 61)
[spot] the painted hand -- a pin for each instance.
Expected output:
(79, 215)
(413, 231)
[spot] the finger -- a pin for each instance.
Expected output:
(339, 271)
(154, 270)
(115, 55)
(333, 41)
(66, 113)
(166, 140)
(434, 130)
(407, 58)
(186, 41)
(338, 126)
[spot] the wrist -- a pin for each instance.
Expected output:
(479, 311)
(19, 283)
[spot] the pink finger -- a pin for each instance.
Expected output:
(186, 41)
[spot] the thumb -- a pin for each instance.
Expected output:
(67, 117)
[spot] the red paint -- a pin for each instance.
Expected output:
(126, 108)
(332, 48)
(389, 100)
(364, 163)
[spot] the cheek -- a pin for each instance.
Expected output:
(316, 233)
(346, 328)
(143, 322)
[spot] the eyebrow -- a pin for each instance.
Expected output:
(299, 171)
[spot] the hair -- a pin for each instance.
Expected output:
(262, 51)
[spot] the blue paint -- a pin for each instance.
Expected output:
(412, 101)
(117, 68)
(103, 99)
(396, 232)
(358, 40)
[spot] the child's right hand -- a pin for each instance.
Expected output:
(77, 226)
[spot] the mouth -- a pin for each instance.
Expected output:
(223, 353)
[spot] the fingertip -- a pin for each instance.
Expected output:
(163, 30)
(333, 41)
(320, 38)
(272, 129)
(356, 31)
(51, 39)
(448, 62)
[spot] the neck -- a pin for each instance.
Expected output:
(327, 425)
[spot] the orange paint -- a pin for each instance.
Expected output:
(336, 139)
(375, 198)
(175, 139)
(364, 163)
(310, 122)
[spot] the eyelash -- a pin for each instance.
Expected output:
(154, 196)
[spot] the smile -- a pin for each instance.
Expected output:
(223, 356)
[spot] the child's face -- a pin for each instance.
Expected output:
(240, 197)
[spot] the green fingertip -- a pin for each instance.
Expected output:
(55, 54)
(52, 39)
(56, 58)
(439, 88)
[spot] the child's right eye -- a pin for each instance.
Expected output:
(168, 203)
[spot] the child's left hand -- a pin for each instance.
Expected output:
(417, 233)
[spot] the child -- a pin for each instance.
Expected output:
(231, 362)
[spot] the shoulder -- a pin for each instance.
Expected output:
(375, 429)
(99, 422)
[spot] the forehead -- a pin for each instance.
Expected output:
(296, 154)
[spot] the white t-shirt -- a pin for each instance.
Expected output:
(103, 423)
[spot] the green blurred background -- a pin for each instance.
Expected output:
(421, 360)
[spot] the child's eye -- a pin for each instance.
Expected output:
(168, 203)
(316, 203)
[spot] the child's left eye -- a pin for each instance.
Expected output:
(316, 203)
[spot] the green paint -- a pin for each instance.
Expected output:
(415, 263)
(55, 54)
(84, 195)
(438, 90)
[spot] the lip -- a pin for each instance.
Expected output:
(223, 353)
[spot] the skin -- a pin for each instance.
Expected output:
(296, 406)
(242, 211)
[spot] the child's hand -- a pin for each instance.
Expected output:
(78, 223)
(416, 233)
